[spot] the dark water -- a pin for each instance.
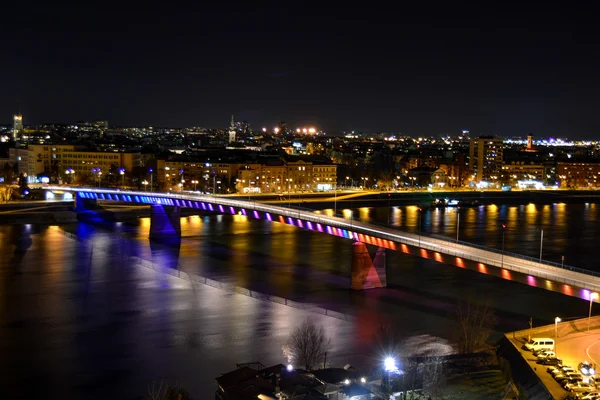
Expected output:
(80, 317)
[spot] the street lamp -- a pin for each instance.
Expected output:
(541, 244)
(151, 177)
(502, 256)
(145, 183)
(556, 321)
(419, 210)
(195, 182)
(593, 296)
(457, 222)
(122, 172)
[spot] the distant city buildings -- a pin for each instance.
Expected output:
(282, 159)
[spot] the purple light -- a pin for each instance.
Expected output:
(269, 216)
(256, 214)
(319, 228)
(231, 210)
(309, 225)
(290, 221)
(300, 223)
(244, 212)
(210, 207)
(221, 208)
(203, 206)
(329, 229)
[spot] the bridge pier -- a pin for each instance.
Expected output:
(367, 273)
(164, 222)
(83, 205)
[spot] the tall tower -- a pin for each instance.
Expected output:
(530, 142)
(17, 126)
(232, 131)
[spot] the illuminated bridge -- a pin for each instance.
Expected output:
(366, 273)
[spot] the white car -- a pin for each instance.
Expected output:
(545, 354)
(579, 387)
(563, 370)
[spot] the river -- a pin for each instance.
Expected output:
(98, 311)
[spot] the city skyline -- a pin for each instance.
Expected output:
(501, 71)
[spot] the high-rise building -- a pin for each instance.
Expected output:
(232, 131)
(486, 157)
(17, 126)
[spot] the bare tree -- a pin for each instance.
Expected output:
(473, 325)
(434, 375)
(307, 345)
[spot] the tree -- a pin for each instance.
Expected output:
(473, 325)
(307, 346)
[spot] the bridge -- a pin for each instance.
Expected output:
(366, 272)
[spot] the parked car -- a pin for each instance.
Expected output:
(568, 376)
(543, 353)
(588, 396)
(549, 361)
(563, 369)
(578, 387)
(586, 368)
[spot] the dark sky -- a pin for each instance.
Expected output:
(491, 67)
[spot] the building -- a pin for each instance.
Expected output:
(520, 171)
(232, 131)
(55, 160)
(578, 175)
(17, 126)
(486, 155)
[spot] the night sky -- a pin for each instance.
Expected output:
(490, 67)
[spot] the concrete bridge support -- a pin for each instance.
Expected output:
(164, 222)
(367, 273)
(83, 205)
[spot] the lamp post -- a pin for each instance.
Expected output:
(419, 211)
(335, 198)
(145, 183)
(556, 321)
(593, 296)
(541, 244)
(457, 222)
(195, 182)
(502, 256)
(151, 179)
(122, 172)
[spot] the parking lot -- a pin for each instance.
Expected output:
(573, 344)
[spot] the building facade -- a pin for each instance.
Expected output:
(486, 155)
(578, 175)
(519, 171)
